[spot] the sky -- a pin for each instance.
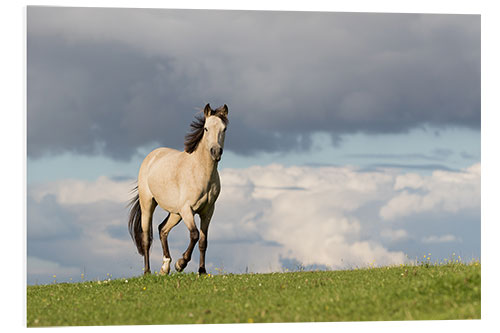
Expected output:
(354, 139)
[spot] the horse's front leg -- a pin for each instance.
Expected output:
(202, 245)
(194, 235)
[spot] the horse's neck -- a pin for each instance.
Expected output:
(203, 160)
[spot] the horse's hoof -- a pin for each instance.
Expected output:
(180, 265)
(202, 271)
(165, 268)
(148, 272)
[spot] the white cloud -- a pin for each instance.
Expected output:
(309, 211)
(440, 239)
(316, 216)
(394, 235)
(442, 191)
(409, 180)
(73, 191)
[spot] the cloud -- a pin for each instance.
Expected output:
(108, 81)
(69, 225)
(317, 224)
(266, 218)
(394, 235)
(42, 269)
(49, 220)
(443, 191)
(441, 239)
(412, 166)
(436, 155)
(75, 191)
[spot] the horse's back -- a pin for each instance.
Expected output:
(160, 158)
(156, 155)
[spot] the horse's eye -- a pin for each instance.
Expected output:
(206, 129)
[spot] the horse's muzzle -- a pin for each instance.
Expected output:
(216, 153)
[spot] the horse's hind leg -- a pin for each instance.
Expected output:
(148, 206)
(164, 228)
(194, 235)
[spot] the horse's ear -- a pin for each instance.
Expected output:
(208, 111)
(223, 110)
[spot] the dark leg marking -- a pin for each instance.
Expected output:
(203, 243)
(194, 235)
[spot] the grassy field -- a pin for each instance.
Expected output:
(451, 291)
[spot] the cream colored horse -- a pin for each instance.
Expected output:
(184, 184)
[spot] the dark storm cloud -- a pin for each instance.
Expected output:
(110, 81)
(83, 98)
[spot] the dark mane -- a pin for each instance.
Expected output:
(192, 139)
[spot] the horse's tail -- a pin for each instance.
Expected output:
(134, 223)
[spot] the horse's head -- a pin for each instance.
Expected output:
(215, 130)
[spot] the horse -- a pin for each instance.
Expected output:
(184, 183)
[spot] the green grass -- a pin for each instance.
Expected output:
(451, 291)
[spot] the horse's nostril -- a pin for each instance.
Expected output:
(221, 151)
